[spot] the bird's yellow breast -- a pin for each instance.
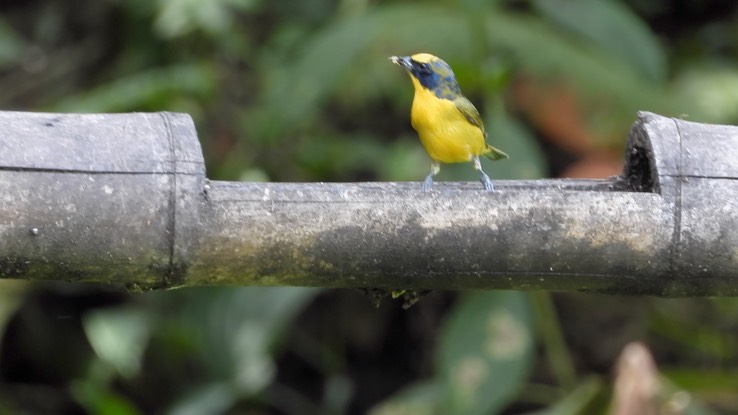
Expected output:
(445, 133)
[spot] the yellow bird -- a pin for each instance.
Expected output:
(448, 124)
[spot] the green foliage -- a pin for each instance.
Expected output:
(303, 91)
(585, 399)
(529, 161)
(118, 337)
(612, 27)
(101, 401)
(10, 45)
(238, 348)
(714, 92)
(485, 352)
(600, 76)
(422, 398)
(144, 90)
(180, 17)
(233, 333)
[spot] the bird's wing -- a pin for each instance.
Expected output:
(469, 111)
(472, 115)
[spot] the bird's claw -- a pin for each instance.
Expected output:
(487, 183)
(427, 184)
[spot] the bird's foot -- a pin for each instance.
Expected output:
(427, 183)
(487, 183)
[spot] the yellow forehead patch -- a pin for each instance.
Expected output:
(424, 57)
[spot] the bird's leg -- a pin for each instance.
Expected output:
(428, 182)
(486, 182)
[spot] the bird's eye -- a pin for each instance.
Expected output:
(424, 68)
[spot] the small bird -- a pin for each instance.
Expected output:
(448, 124)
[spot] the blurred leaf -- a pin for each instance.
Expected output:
(527, 160)
(544, 52)
(612, 27)
(694, 335)
(586, 399)
(98, 400)
(422, 398)
(239, 326)
(296, 87)
(179, 17)
(551, 337)
(328, 152)
(702, 380)
(253, 175)
(337, 394)
(679, 401)
(485, 352)
(214, 398)
(119, 337)
(12, 293)
(714, 92)
(405, 159)
(477, 5)
(691, 407)
(11, 46)
(142, 90)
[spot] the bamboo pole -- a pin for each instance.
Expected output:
(123, 199)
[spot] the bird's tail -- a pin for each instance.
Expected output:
(494, 153)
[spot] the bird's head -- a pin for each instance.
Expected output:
(431, 73)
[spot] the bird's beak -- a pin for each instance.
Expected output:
(403, 61)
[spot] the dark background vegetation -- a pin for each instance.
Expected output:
(302, 91)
